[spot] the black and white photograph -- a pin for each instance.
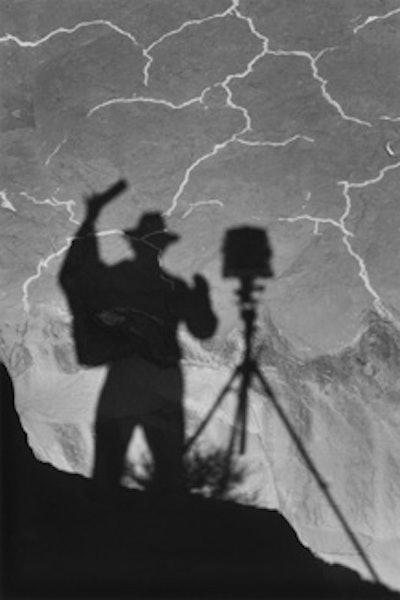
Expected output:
(199, 299)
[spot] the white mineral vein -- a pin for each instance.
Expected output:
(341, 224)
(323, 82)
(189, 23)
(44, 263)
(374, 18)
(8, 37)
(145, 99)
(52, 201)
(290, 140)
(54, 152)
(389, 149)
(307, 199)
(387, 118)
(194, 205)
(6, 202)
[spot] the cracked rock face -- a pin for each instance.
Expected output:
(279, 114)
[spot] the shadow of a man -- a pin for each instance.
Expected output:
(126, 316)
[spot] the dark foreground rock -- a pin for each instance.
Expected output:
(62, 539)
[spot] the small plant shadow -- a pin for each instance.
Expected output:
(212, 474)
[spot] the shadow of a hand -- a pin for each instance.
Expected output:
(96, 202)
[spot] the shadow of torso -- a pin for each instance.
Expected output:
(142, 307)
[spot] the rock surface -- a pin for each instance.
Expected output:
(278, 114)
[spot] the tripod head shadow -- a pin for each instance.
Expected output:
(247, 253)
(247, 256)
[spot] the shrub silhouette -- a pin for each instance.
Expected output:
(213, 474)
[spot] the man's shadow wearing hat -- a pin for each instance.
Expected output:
(126, 316)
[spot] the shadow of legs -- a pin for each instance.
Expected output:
(165, 439)
(112, 437)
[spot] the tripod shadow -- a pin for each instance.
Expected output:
(247, 256)
(126, 316)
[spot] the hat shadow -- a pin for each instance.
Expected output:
(151, 230)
